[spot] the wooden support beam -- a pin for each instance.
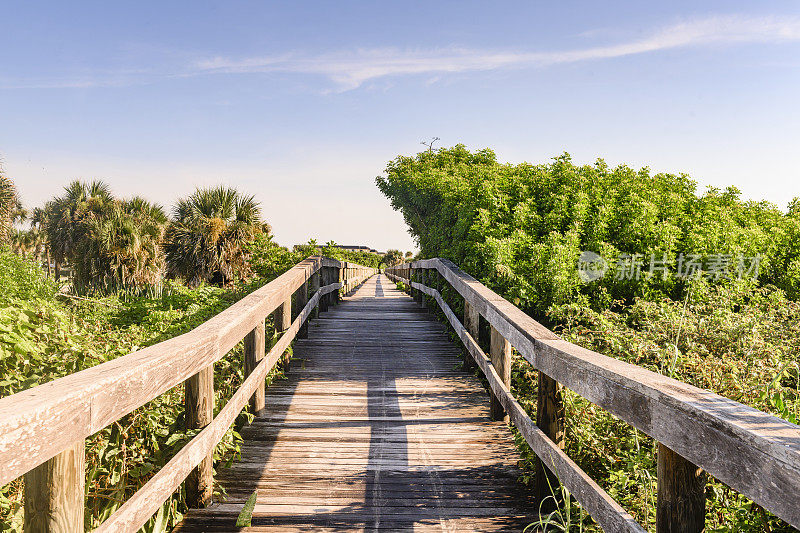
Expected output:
(301, 299)
(336, 294)
(254, 350)
(550, 419)
(54, 493)
(472, 323)
(315, 284)
(681, 503)
(500, 354)
(199, 405)
(283, 316)
(324, 274)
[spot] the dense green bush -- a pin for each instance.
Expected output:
(268, 258)
(521, 228)
(21, 279)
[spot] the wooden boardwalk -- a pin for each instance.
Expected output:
(375, 428)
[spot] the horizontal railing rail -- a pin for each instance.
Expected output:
(42, 429)
(753, 452)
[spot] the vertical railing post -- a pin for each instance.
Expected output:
(54, 493)
(681, 504)
(500, 352)
(301, 299)
(315, 284)
(418, 294)
(339, 276)
(323, 280)
(283, 320)
(550, 419)
(472, 323)
(254, 351)
(199, 405)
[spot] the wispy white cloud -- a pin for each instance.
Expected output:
(351, 69)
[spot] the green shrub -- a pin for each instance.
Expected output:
(22, 279)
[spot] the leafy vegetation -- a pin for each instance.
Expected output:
(521, 230)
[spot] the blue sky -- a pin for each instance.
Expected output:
(303, 103)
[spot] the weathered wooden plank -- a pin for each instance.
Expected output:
(681, 505)
(550, 419)
(54, 493)
(254, 351)
(199, 407)
(500, 355)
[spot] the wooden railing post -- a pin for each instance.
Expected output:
(418, 294)
(254, 351)
(301, 299)
(681, 503)
(54, 493)
(199, 405)
(341, 281)
(500, 351)
(323, 300)
(315, 283)
(550, 419)
(472, 323)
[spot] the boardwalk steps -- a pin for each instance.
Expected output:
(375, 427)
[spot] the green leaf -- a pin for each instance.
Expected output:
(246, 516)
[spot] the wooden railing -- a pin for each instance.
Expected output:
(698, 431)
(42, 430)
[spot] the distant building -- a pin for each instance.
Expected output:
(359, 249)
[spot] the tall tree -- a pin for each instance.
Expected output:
(69, 214)
(206, 239)
(122, 248)
(8, 203)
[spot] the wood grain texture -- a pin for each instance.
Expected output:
(199, 407)
(472, 324)
(374, 428)
(254, 352)
(54, 493)
(753, 452)
(38, 423)
(301, 299)
(681, 506)
(550, 419)
(500, 355)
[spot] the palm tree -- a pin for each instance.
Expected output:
(122, 248)
(38, 222)
(68, 215)
(8, 203)
(206, 239)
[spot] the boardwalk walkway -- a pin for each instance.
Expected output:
(374, 429)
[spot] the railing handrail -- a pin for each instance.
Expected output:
(41, 422)
(753, 452)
